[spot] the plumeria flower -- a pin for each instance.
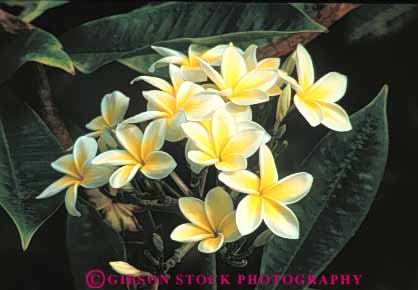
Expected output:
(218, 142)
(113, 107)
(78, 171)
(316, 100)
(250, 57)
(177, 103)
(267, 197)
(236, 82)
(140, 153)
(212, 223)
(190, 67)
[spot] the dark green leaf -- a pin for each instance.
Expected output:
(176, 25)
(92, 244)
(34, 9)
(27, 148)
(21, 43)
(347, 169)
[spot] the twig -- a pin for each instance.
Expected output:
(180, 183)
(170, 188)
(203, 178)
(178, 256)
(209, 269)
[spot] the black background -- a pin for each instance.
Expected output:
(385, 248)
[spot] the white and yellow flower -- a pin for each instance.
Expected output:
(219, 142)
(236, 82)
(211, 223)
(176, 103)
(267, 197)
(140, 153)
(190, 67)
(78, 171)
(316, 100)
(113, 109)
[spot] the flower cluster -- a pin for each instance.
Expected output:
(212, 109)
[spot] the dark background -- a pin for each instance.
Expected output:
(384, 250)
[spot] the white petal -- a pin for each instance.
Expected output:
(175, 76)
(334, 117)
(193, 74)
(249, 97)
(114, 107)
(123, 175)
(280, 220)
(231, 163)
(156, 82)
(115, 158)
(245, 143)
(304, 67)
(174, 131)
(250, 56)
(233, 66)
(201, 158)
(160, 101)
(130, 137)
(158, 165)
(260, 79)
(96, 124)
(167, 51)
(251, 125)
(185, 91)
(199, 135)
(201, 106)
(194, 167)
(71, 199)
(229, 228)
(189, 233)
(212, 74)
(290, 189)
(85, 149)
(96, 176)
(154, 136)
(214, 55)
(249, 214)
(239, 113)
(223, 129)
(242, 181)
(309, 110)
(330, 88)
(66, 165)
(145, 116)
(269, 63)
(57, 186)
(211, 245)
(166, 61)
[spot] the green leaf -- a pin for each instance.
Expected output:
(27, 148)
(34, 9)
(176, 25)
(92, 244)
(21, 43)
(347, 169)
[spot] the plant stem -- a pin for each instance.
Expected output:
(209, 269)
(178, 256)
(203, 178)
(170, 188)
(180, 183)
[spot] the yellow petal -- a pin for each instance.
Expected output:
(218, 204)
(146, 116)
(250, 56)
(260, 79)
(223, 128)
(96, 176)
(71, 199)
(160, 101)
(229, 228)
(242, 181)
(268, 171)
(175, 76)
(251, 125)
(212, 74)
(283, 104)
(311, 111)
(233, 66)
(239, 113)
(214, 55)
(249, 214)
(124, 268)
(164, 51)
(280, 220)
(153, 139)
(249, 97)
(193, 74)
(201, 158)
(245, 143)
(114, 107)
(193, 209)
(189, 233)
(269, 63)
(334, 117)
(231, 163)
(284, 77)
(174, 131)
(185, 91)
(57, 186)
(194, 167)
(201, 106)
(115, 158)
(85, 149)
(199, 135)
(211, 245)
(158, 165)
(166, 61)
(274, 90)
(123, 175)
(66, 165)
(290, 189)
(130, 137)
(330, 88)
(96, 124)
(304, 67)
(156, 82)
